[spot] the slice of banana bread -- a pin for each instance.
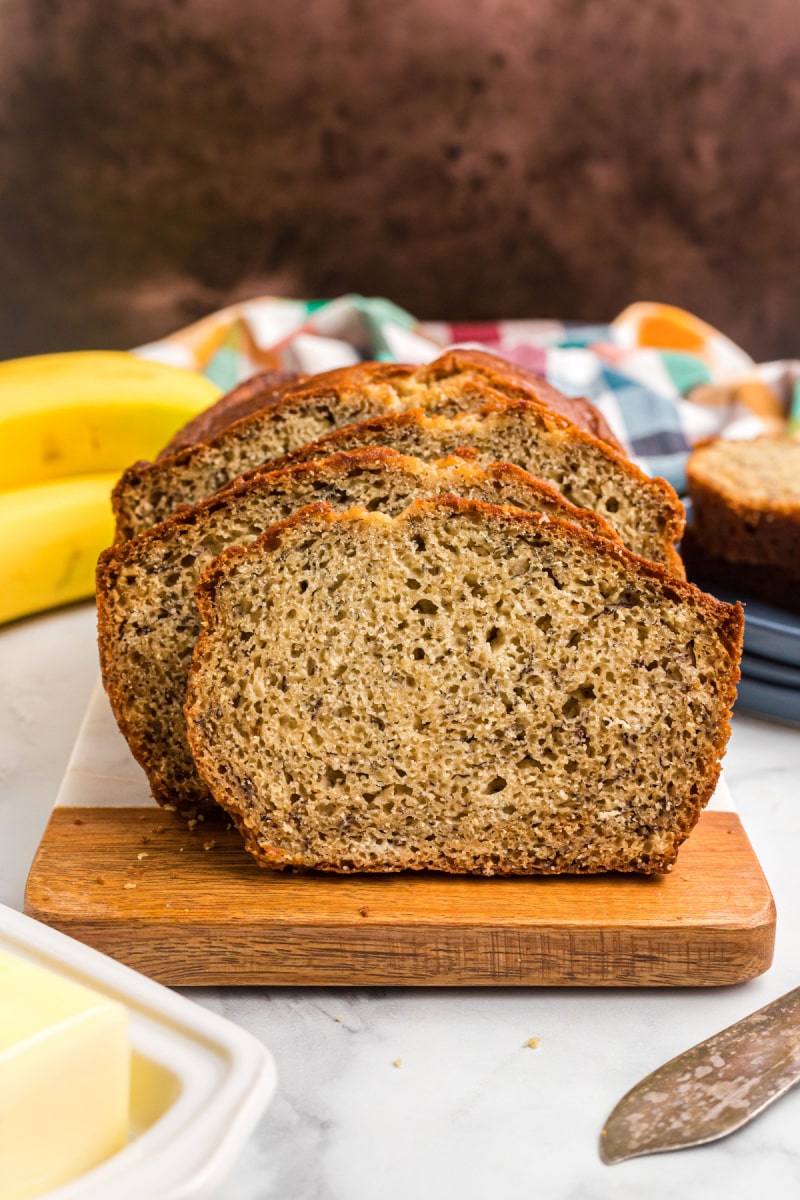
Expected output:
(746, 500)
(463, 688)
(460, 381)
(646, 513)
(260, 391)
(147, 618)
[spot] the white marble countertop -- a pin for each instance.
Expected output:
(471, 1112)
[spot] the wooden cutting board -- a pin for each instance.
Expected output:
(190, 907)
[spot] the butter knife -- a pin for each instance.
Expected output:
(711, 1090)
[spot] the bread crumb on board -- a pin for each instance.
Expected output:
(397, 1062)
(531, 1044)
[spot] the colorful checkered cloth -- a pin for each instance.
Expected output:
(663, 379)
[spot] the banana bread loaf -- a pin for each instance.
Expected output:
(646, 513)
(147, 618)
(256, 393)
(458, 382)
(746, 500)
(464, 688)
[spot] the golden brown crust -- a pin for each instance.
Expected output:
(518, 383)
(249, 397)
(495, 402)
(343, 395)
(331, 465)
(313, 515)
(508, 378)
(372, 431)
(728, 620)
(735, 521)
(145, 473)
(465, 463)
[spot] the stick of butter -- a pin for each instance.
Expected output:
(64, 1078)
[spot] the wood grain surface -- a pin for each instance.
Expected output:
(192, 908)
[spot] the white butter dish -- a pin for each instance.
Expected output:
(199, 1082)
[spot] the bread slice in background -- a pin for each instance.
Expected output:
(459, 381)
(462, 688)
(645, 512)
(745, 529)
(147, 618)
(746, 500)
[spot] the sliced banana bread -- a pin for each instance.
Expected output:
(463, 688)
(458, 382)
(255, 393)
(746, 500)
(147, 617)
(646, 513)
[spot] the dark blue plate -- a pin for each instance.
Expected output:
(769, 700)
(770, 671)
(768, 632)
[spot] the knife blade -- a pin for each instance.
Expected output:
(712, 1089)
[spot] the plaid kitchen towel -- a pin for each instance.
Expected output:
(663, 379)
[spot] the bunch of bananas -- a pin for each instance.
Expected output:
(69, 425)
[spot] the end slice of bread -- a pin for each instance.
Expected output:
(463, 688)
(147, 618)
(259, 392)
(746, 501)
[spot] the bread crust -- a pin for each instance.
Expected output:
(377, 430)
(343, 395)
(319, 514)
(505, 522)
(518, 383)
(737, 523)
(249, 397)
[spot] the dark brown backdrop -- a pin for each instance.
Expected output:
(466, 158)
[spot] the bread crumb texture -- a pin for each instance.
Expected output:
(457, 382)
(746, 501)
(461, 688)
(646, 513)
(147, 616)
(465, 398)
(761, 472)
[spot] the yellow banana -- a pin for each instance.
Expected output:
(90, 411)
(50, 538)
